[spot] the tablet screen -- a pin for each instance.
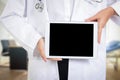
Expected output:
(71, 40)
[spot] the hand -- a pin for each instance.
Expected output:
(40, 47)
(102, 17)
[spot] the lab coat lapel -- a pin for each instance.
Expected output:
(67, 10)
(40, 21)
(37, 17)
(78, 69)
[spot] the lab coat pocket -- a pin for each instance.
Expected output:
(83, 10)
(40, 70)
(96, 70)
(36, 54)
(91, 7)
(110, 2)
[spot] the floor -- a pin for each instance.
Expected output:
(112, 73)
(7, 74)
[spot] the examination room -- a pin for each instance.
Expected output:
(16, 61)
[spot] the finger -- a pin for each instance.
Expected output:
(99, 35)
(101, 25)
(41, 49)
(55, 59)
(99, 31)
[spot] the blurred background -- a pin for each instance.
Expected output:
(13, 58)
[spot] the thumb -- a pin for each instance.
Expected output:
(41, 49)
(93, 18)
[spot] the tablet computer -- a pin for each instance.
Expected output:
(75, 40)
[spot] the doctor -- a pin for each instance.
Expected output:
(26, 21)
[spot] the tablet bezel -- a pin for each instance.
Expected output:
(95, 42)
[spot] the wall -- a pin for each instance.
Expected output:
(3, 33)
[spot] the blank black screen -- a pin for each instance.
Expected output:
(69, 39)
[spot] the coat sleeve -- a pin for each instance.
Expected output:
(116, 7)
(14, 19)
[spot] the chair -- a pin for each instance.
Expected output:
(5, 46)
(18, 55)
(110, 49)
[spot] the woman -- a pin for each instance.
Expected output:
(26, 21)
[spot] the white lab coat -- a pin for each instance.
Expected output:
(27, 25)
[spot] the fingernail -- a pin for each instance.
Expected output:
(60, 59)
(99, 41)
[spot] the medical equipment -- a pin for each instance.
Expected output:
(98, 1)
(94, 1)
(39, 6)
